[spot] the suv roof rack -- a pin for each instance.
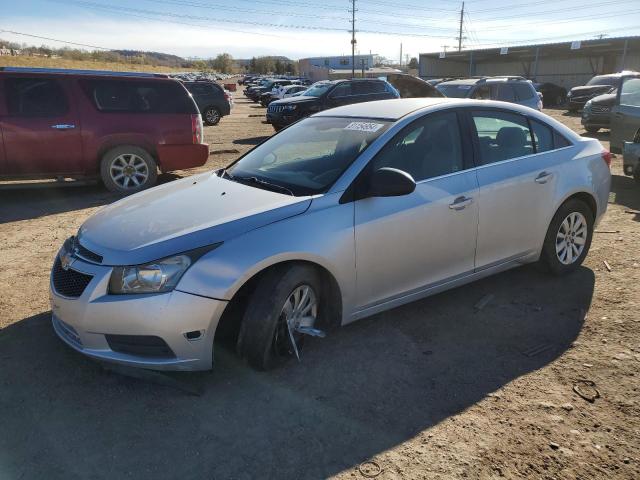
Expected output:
(508, 78)
(70, 71)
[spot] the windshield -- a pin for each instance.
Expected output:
(603, 80)
(454, 91)
(317, 90)
(308, 157)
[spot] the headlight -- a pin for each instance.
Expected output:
(154, 277)
(290, 108)
(587, 106)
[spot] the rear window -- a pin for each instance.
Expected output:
(122, 96)
(455, 91)
(201, 88)
(523, 91)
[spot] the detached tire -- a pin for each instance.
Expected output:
(211, 116)
(568, 238)
(128, 169)
(291, 293)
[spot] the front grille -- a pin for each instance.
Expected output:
(598, 109)
(69, 283)
(68, 331)
(87, 254)
(275, 108)
(140, 345)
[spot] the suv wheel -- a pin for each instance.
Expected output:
(211, 116)
(568, 238)
(128, 169)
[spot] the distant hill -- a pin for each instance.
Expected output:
(158, 58)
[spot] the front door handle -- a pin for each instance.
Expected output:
(544, 177)
(460, 203)
(63, 126)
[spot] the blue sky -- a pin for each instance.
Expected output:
(299, 28)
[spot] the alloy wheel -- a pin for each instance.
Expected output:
(212, 116)
(571, 238)
(300, 309)
(129, 171)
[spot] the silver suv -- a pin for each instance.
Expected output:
(505, 89)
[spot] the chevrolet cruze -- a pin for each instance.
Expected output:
(347, 213)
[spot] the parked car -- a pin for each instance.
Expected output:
(596, 113)
(598, 85)
(552, 95)
(254, 93)
(351, 212)
(631, 158)
(120, 127)
(506, 89)
(212, 100)
(625, 114)
(329, 94)
(285, 92)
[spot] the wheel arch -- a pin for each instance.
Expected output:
(116, 141)
(231, 318)
(585, 197)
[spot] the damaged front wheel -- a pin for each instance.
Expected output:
(282, 310)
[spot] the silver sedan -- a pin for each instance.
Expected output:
(345, 214)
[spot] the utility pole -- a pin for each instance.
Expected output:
(461, 23)
(353, 38)
(400, 54)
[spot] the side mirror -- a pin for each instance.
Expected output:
(390, 182)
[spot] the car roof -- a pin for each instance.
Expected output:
(462, 81)
(392, 109)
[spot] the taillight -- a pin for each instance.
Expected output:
(606, 156)
(196, 128)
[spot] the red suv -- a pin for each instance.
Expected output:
(82, 124)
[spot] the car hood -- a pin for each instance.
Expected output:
(591, 89)
(412, 87)
(180, 216)
(608, 99)
(300, 99)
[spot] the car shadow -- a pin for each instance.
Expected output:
(626, 193)
(600, 135)
(366, 388)
(28, 203)
(251, 140)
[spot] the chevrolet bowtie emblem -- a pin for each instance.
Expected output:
(66, 260)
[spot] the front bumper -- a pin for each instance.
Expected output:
(600, 120)
(282, 119)
(84, 322)
(631, 158)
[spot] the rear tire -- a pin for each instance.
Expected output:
(264, 339)
(592, 129)
(568, 238)
(211, 116)
(128, 169)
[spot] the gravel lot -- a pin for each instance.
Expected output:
(434, 389)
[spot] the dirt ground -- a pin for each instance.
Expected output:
(433, 390)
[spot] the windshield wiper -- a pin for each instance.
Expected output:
(265, 184)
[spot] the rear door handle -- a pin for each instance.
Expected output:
(460, 203)
(544, 177)
(63, 126)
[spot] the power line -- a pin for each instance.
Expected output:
(55, 40)
(564, 9)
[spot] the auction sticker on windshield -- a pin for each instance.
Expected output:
(364, 126)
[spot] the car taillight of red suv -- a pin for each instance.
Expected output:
(197, 128)
(120, 127)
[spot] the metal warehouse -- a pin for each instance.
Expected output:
(567, 64)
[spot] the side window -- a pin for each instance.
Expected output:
(559, 141)
(122, 96)
(501, 136)
(35, 97)
(483, 92)
(524, 91)
(342, 90)
(542, 136)
(630, 92)
(505, 93)
(429, 147)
